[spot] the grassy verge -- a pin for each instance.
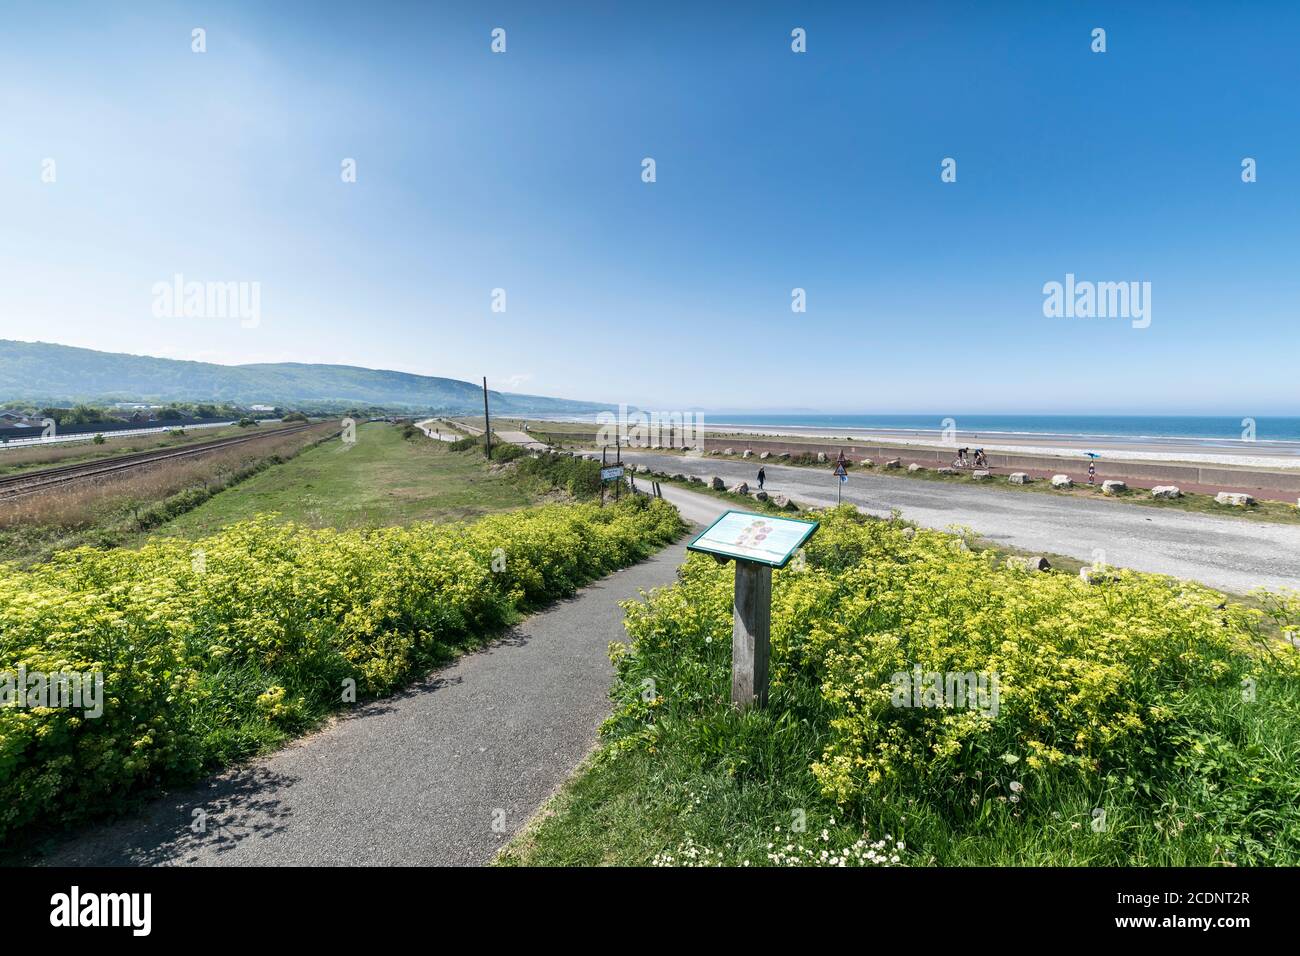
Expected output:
(1141, 722)
(746, 502)
(382, 479)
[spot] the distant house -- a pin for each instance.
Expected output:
(261, 408)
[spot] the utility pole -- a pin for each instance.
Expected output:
(487, 422)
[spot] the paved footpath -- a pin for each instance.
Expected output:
(443, 773)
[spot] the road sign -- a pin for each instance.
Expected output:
(843, 478)
(840, 471)
(745, 536)
(609, 474)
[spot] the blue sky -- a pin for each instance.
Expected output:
(775, 170)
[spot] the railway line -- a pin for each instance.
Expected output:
(33, 482)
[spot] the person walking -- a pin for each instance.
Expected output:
(762, 477)
(1092, 471)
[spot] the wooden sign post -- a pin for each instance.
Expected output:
(757, 543)
(751, 634)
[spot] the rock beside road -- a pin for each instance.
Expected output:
(1166, 491)
(1238, 499)
(980, 476)
(740, 489)
(1062, 481)
(1019, 478)
(914, 468)
(717, 484)
(1113, 486)
(894, 463)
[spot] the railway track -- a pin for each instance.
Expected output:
(33, 482)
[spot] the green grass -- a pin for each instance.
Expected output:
(625, 807)
(381, 480)
(681, 775)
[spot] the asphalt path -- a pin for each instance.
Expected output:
(1234, 554)
(444, 773)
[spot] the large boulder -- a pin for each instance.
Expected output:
(728, 451)
(679, 477)
(821, 456)
(914, 468)
(765, 455)
(740, 489)
(1112, 486)
(980, 476)
(747, 454)
(1019, 478)
(717, 484)
(784, 454)
(1238, 499)
(1166, 491)
(783, 502)
(867, 463)
(946, 471)
(1062, 481)
(695, 479)
(894, 463)
(760, 495)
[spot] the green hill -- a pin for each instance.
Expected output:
(41, 372)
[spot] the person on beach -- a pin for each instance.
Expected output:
(762, 477)
(1092, 472)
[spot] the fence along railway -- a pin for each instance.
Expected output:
(33, 482)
